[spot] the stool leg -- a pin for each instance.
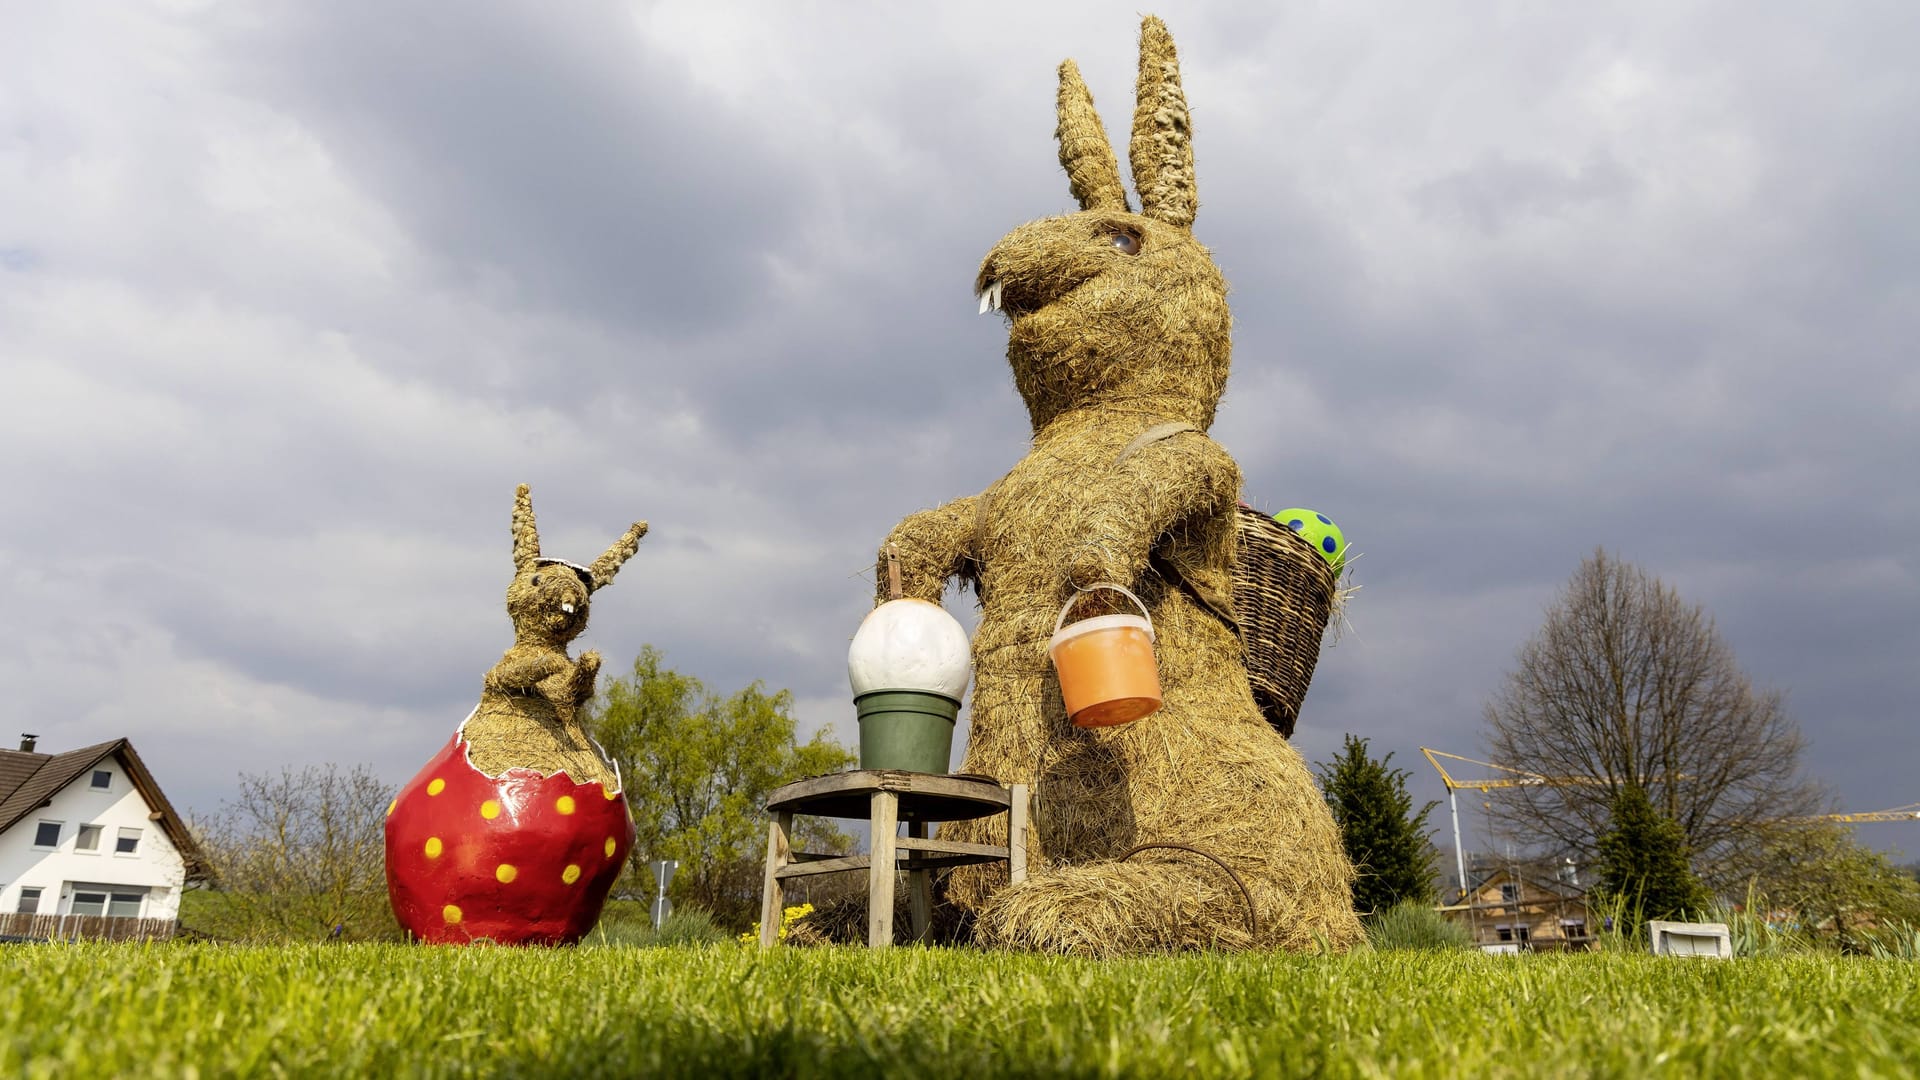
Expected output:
(885, 821)
(1017, 835)
(772, 896)
(919, 889)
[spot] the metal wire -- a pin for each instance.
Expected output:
(1253, 920)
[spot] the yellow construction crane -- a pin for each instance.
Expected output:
(1523, 778)
(1518, 778)
(1909, 812)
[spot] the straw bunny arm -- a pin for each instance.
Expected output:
(520, 674)
(1143, 499)
(933, 546)
(585, 673)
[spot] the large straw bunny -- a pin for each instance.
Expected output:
(1197, 826)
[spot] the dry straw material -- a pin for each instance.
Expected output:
(1118, 325)
(528, 716)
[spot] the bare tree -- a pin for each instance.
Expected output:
(1628, 685)
(302, 855)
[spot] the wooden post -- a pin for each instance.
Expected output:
(919, 890)
(772, 899)
(1017, 814)
(885, 822)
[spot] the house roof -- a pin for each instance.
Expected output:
(28, 780)
(1543, 883)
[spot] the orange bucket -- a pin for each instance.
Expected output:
(1107, 671)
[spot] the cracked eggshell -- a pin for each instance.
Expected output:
(910, 645)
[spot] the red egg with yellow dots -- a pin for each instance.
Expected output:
(522, 858)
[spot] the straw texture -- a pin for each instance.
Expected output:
(528, 716)
(1093, 175)
(1162, 147)
(1118, 324)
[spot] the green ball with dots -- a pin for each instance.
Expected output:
(1319, 530)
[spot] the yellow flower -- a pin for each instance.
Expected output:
(787, 918)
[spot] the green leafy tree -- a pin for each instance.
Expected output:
(697, 768)
(1643, 862)
(1831, 883)
(1385, 837)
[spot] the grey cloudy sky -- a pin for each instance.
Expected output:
(291, 296)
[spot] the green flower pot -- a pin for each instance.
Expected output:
(906, 730)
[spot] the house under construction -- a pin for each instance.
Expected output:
(1524, 907)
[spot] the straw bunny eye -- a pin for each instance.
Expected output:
(1125, 242)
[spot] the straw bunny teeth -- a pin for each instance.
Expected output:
(990, 296)
(567, 608)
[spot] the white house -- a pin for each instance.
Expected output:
(87, 839)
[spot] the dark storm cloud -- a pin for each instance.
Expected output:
(563, 154)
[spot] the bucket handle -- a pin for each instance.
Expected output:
(1121, 589)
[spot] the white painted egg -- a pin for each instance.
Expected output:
(910, 645)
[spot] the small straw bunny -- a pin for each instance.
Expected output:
(528, 716)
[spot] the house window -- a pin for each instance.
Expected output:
(102, 780)
(1521, 933)
(29, 902)
(1574, 929)
(1506, 933)
(88, 839)
(1509, 893)
(47, 835)
(114, 901)
(128, 843)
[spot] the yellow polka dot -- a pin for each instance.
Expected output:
(610, 794)
(610, 846)
(571, 874)
(505, 873)
(434, 847)
(391, 805)
(489, 809)
(436, 786)
(564, 804)
(451, 914)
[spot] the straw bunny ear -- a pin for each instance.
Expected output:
(1093, 174)
(609, 564)
(526, 535)
(1161, 151)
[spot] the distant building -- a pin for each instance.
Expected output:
(1510, 909)
(89, 845)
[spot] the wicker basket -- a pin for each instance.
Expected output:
(1282, 598)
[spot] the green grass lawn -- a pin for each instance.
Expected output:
(375, 1010)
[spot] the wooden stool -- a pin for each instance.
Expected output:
(884, 799)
